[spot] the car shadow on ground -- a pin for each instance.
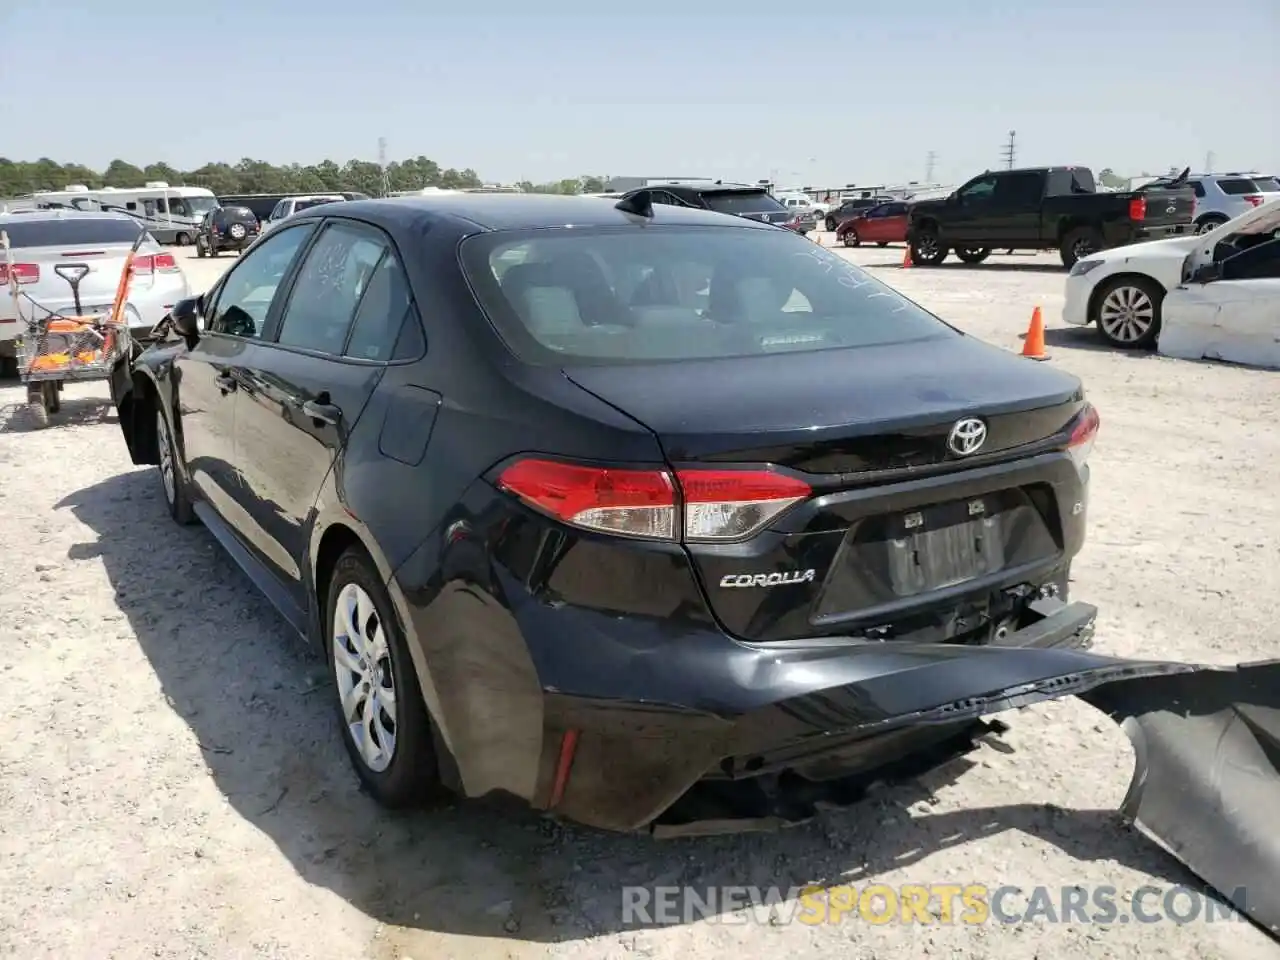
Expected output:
(79, 410)
(978, 267)
(259, 708)
(1088, 338)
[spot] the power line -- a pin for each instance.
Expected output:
(1010, 151)
(929, 160)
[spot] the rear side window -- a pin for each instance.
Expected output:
(330, 284)
(742, 201)
(383, 310)
(30, 232)
(1238, 186)
(678, 293)
(1267, 184)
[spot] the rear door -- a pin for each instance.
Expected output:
(303, 388)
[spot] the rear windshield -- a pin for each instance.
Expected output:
(237, 213)
(742, 201)
(1238, 186)
(308, 204)
(30, 232)
(634, 295)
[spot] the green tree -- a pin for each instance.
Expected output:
(18, 177)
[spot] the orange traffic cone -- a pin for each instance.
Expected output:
(906, 257)
(1033, 342)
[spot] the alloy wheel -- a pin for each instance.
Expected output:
(1126, 314)
(365, 677)
(166, 457)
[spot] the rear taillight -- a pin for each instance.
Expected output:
(1253, 198)
(149, 263)
(1138, 208)
(716, 505)
(22, 273)
(1083, 432)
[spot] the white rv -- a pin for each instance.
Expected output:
(170, 214)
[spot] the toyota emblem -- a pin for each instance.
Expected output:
(967, 437)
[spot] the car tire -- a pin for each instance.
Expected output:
(1210, 221)
(851, 239)
(1078, 244)
(882, 243)
(213, 251)
(183, 239)
(927, 248)
(973, 254)
(831, 225)
(367, 653)
(1141, 295)
(173, 486)
(200, 251)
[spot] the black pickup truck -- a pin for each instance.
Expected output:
(1046, 208)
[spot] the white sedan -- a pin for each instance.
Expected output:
(1216, 294)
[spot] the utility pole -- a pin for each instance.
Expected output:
(1010, 151)
(929, 160)
(1208, 162)
(385, 185)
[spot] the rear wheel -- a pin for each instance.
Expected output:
(385, 725)
(882, 243)
(1209, 222)
(200, 251)
(1078, 244)
(851, 239)
(1127, 312)
(184, 239)
(973, 254)
(831, 224)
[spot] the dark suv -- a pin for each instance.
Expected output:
(226, 228)
(738, 199)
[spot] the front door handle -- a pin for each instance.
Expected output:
(226, 383)
(324, 412)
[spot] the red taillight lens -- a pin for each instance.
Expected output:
(729, 504)
(1083, 433)
(1138, 208)
(22, 273)
(149, 263)
(718, 505)
(634, 503)
(1253, 198)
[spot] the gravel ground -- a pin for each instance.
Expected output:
(174, 786)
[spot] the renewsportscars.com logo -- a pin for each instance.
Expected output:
(924, 904)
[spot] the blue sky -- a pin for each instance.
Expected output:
(820, 92)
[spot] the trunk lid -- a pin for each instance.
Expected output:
(97, 288)
(859, 426)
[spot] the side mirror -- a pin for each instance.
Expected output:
(186, 318)
(1207, 273)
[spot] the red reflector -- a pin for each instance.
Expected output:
(1138, 208)
(22, 273)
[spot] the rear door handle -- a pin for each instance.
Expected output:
(324, 412)
(226, 383)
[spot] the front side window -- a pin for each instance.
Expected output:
(609, 296)
(979, 190)
(245, 299)
(330, 284)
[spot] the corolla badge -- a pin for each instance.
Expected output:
(767, 579)
(967, 437)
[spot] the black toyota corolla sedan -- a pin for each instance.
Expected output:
(646, 515)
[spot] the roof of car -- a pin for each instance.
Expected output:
(497, 211)
(64, 214)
